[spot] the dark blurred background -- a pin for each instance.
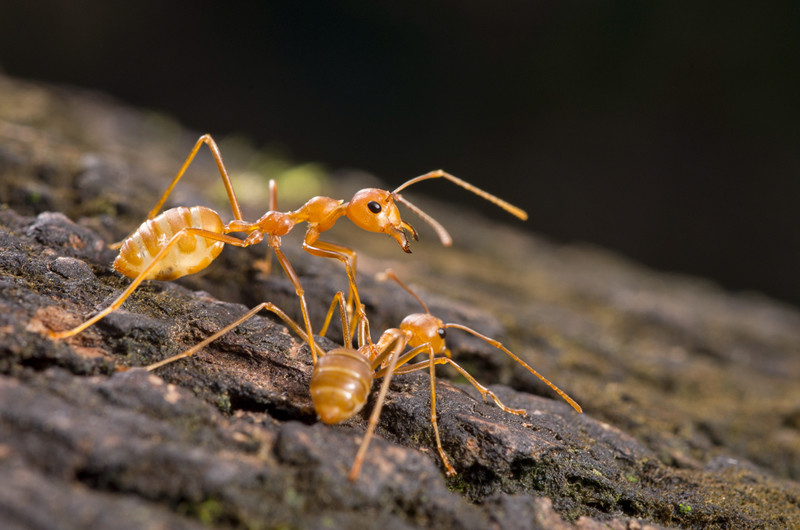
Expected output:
(669, 132)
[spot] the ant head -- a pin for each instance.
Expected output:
(426, 328)
(375, 210)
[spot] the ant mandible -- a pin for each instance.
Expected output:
(182, 241)
(342, 378)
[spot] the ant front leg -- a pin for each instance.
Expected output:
(431, 364)
(344, 254)
(275, 243)
(485, 392)
(226, 180)
(349, 325)
(392, 350)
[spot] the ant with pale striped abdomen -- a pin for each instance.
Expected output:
(182, 241)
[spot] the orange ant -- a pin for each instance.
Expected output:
(182, 241)
(342, 378)
(424, 332)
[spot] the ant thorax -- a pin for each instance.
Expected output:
(320, 212)
(276, 223)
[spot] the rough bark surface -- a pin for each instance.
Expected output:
(691, 394)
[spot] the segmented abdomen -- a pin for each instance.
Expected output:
(192, 253)
(340, 384)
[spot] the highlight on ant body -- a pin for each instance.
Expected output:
(182, 241)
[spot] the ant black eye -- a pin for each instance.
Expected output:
(374, 207)
(441, 332)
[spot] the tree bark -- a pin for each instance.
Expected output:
(690, 393)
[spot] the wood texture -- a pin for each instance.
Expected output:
(691, 394)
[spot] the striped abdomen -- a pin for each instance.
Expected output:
(192, 253)
(340, 384)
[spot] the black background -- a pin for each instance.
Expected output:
(667, 131)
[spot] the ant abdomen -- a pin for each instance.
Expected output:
(192, 253)
(340, 384)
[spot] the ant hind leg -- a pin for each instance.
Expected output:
(226, 180)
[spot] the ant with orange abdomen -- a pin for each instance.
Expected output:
(182, 241)
(424, 332)
(342, 377)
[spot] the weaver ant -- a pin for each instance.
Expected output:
(182, 241)
(342, 378)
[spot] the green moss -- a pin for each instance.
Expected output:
(292, 498)
(328, 522)
(457, 484)
(207, 512)
(34, 197)
(224, 403)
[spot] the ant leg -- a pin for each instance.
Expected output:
(273, 195)
(346, 337)
(362, 325)
(344, 254)
(269, 306)
(479, 387)
(298, 288)
(393, 348)
(145, 273)
(265, 265)
(226, 180)
(324, 330)
(389, 273)
(382, 350)
(431, 363)
(347, 256)
(500, 346)
(434, 419)
(390, 335)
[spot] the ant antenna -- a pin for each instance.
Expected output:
(389, 273)
(444, 235)
(510, 208)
